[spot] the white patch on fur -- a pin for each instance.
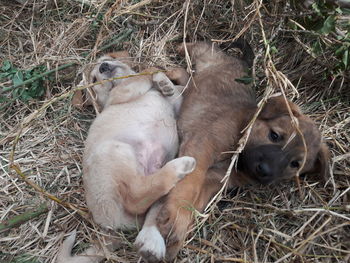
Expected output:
(149, 240)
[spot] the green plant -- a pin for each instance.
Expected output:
(329, 28)
(33, 90)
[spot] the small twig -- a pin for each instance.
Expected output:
(22, 218)
(143, 23)
(116, 41)
(228, 259)
(48, 195)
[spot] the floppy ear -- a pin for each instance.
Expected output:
(123, 56)
(82, 98)
(276, 106)
(78, 100)
(322, 162)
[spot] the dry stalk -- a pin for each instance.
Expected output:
(50, 148)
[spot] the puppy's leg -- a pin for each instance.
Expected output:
(211, 186)
(163, 84)
(141, 192)
(149, 241)
(171, 92)
(129, 89)
(146, 243)
(203, 54)
(176, 215)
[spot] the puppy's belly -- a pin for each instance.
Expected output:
(151, 155)
(147, 125)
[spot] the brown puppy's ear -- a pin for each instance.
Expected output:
(322, 162)
(123, 56)
(276, 106)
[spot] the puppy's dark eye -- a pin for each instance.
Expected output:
(295, 164)
(274, 137)
(94, 79)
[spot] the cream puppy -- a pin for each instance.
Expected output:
(128, 159)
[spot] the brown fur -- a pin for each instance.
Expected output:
(215, 110)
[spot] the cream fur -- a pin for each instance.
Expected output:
(128, 159)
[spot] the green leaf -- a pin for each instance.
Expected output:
(316, 8)
(245, 80)
(3, 99)
(6, 66)
(273, 49)
(339, 51)
(345, 11)
(317, 47)
(338, 10)
(328, 25)
(25, 96)
(4, 75)
(17, 79)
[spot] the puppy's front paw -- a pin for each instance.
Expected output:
(163, 84)
(150, 244)
(173, 222)
(184, 165)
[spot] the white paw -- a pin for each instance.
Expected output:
(162, 83)
(150, 244)
(184, 165)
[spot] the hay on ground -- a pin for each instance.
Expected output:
(255, 224)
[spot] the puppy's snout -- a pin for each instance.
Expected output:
(263, 169)
(265, 163)
(104, 67)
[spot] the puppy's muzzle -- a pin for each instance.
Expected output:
(264, 163)
(104, 67)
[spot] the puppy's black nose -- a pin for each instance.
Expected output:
(263, 169)
(104, 67)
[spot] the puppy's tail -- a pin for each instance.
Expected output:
(241, 43)
(91, 255)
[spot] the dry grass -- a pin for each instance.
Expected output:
(256, 224)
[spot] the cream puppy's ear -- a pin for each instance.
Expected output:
(86, 97)
(79, 98)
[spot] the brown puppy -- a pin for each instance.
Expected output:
(216, 108)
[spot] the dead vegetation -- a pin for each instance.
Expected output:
(44, 136)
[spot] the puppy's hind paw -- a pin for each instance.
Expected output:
(150, 244)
